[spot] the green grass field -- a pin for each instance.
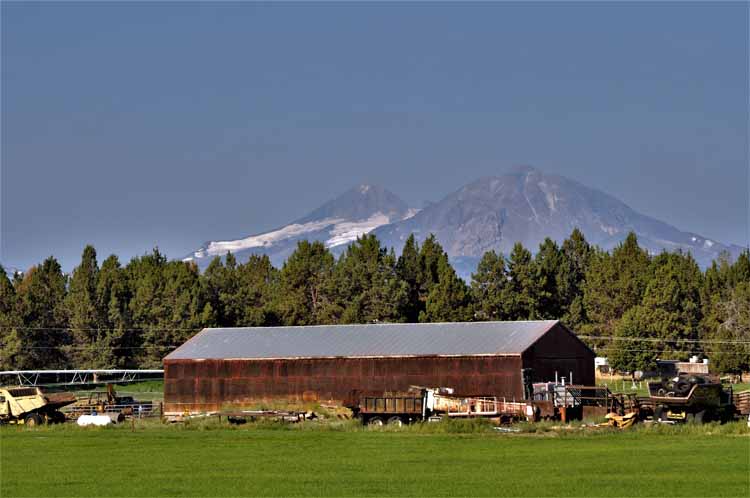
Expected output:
(206, 459)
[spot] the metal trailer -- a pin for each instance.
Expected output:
(391, 408)
(432, 404)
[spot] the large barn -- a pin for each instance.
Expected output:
(231, 367)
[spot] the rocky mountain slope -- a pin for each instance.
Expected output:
(336, 223)
(524, 205)
(528, 205)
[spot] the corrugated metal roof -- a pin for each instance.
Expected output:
(401, 339)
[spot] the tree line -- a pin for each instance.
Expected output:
(626, 304)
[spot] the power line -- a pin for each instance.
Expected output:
(171, 329)
(656, 339)
(196, 329)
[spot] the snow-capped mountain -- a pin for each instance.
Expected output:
(524, 205)
(336, 223)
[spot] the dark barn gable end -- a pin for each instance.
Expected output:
(230, 368)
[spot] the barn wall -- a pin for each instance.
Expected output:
(559, 350)
(210, 385)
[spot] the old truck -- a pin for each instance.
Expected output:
(31, 406)
(421, 403)
(688, 398)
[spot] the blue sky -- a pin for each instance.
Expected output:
(129, 125)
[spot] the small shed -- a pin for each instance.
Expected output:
(232, 367)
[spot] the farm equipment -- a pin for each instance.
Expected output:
(741, 401)
(621, 421)
(688, 398)
(565, 402)
(109, 403)
(30, 406)
(431, 404)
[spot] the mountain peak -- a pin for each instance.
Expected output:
(336, 223)
(522, 169)
(523, 205)
(360, 203)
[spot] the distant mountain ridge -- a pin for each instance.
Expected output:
(336, 223)
(493, 213)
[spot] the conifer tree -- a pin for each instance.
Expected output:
(522, 303)
(169, 304)
(11, 350)
(490, 287)
(408, 270)
(571, 278)
(740, 270)
(431, 257)
(547, 264)
(221, 281)
(614, 284)
(89, 348)
(367, 286)
(249, 300)
(305, 285)
(113, 297)
(40, 306)
(632, 349)
(731, 342)
(449, 299)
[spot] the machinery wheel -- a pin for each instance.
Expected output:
(700, 416)
(33, 420)
(376, 421)
(395, 421)
(660, 413)
(57, 417)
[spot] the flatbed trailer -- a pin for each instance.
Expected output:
(432, 404)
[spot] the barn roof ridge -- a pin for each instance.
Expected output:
(352, 325)
(365, 340)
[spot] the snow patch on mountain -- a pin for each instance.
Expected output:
(219, 248)
(347, 231)
(411, 213)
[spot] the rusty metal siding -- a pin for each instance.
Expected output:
(210, 385)
(560, 351)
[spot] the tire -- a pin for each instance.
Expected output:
(395, 421)
(700, 417)
(376, 421)
(57, 417)
(682, 387)
(690, 418)
(33, 420)
(660, 413)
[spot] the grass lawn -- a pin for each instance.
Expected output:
(252, 460)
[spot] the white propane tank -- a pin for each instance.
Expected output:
(98, 420)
